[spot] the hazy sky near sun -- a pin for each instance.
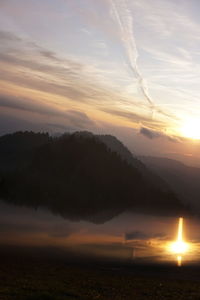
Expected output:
(104, 66)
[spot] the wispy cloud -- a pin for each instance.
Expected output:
(28, 65)
(168, 18)
(123, 17)
(168, 40)
(69, 118)
(136, 118)
(152, 134)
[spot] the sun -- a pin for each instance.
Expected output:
(191, 129)
(179, 247)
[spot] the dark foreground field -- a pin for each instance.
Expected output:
(38, 274)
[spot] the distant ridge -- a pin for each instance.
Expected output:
(183, 180)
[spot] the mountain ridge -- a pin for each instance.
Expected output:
(81, 178)
(182, 179)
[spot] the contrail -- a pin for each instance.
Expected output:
(124, 19)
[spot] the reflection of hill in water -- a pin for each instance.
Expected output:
(79, 177)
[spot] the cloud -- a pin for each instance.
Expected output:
(152, 134)
(15, 59)
(61, 230)
(168, 38)
(27, 65)
(135, 235)
(59, 128)
(43, 70)
(29, 105)
(69, 119)
(79, 119)
(136, 118)
(9, 124)
(50, 55)
(31, 225)
(26, 104)
(124, 19)
(139, 235)
(156, 17)
(8, 36)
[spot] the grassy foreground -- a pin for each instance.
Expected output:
(36, 275)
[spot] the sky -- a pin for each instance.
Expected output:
(127, 68)
(122, 67)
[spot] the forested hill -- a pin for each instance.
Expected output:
(78, 177)
(16, 149)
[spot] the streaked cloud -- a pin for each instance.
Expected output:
(69, 118)
(137, 118)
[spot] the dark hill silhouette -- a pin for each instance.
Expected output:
(149, 177)
(78, 177)
(16, 148)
